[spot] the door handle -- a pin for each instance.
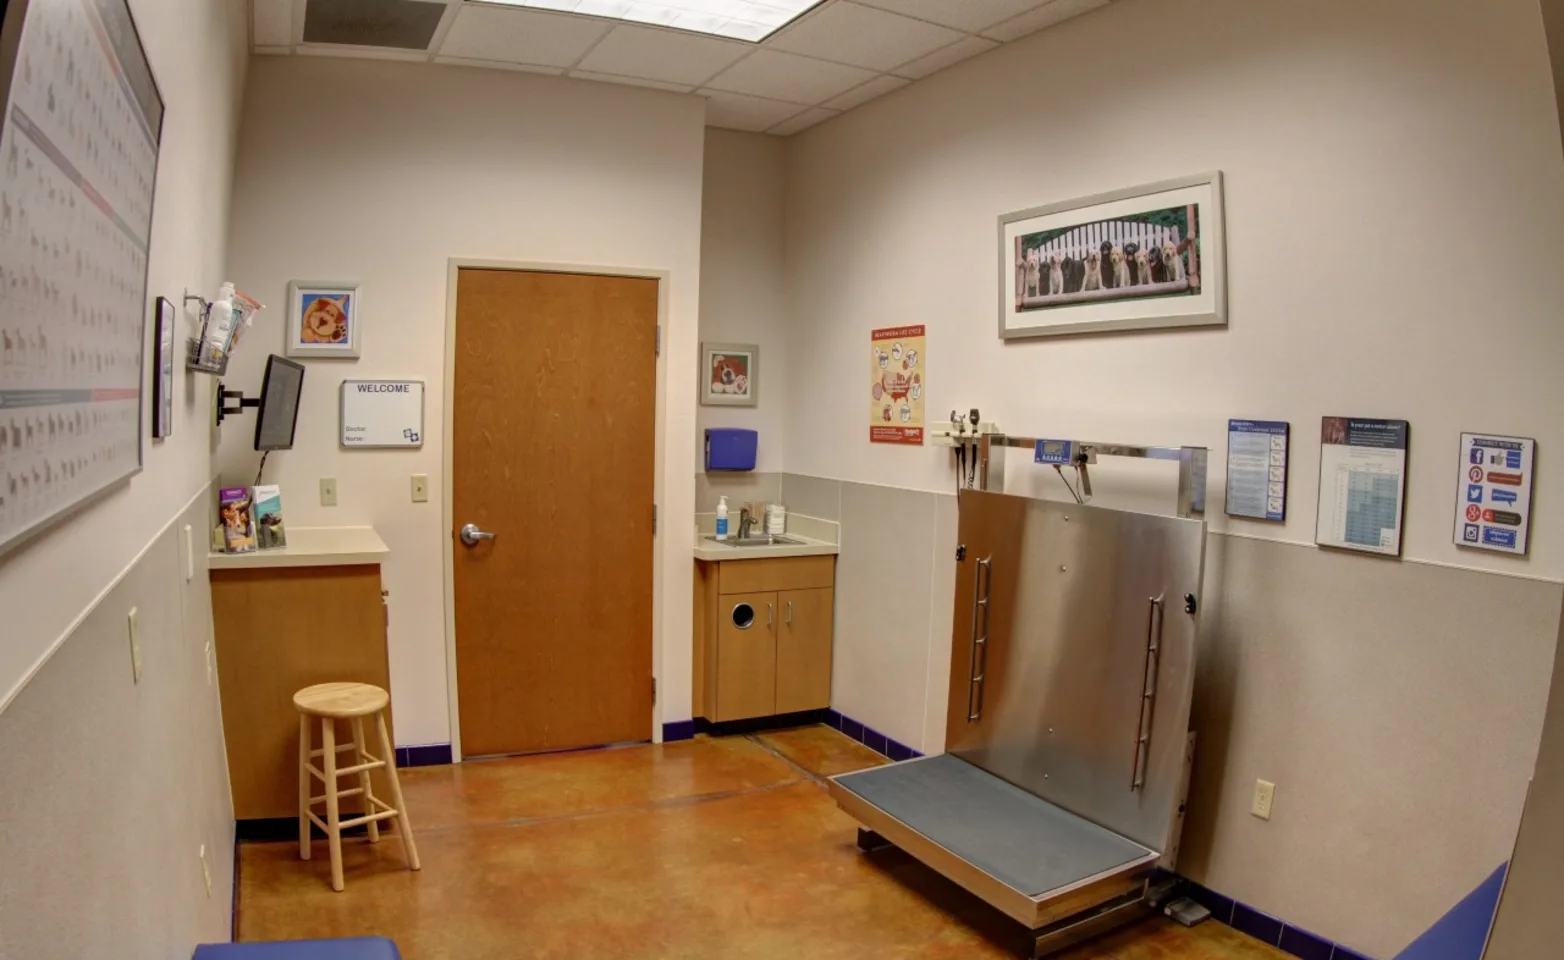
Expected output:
(790, 612)
(770, 612)
(472, 536)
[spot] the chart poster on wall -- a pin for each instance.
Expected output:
(382, 413)
(78, 160)
(1257, 469)
(896, 366)
(1494, 476)
(1363, 466)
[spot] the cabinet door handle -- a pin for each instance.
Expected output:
(790, 612)
(769, 614)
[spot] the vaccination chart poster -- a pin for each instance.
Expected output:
(1494, 509)
(896, 386)
(1363, 464)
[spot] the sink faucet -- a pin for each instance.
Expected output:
(745, 523)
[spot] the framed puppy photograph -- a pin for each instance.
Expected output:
(730, 374)
(324, 320)
(1142, 258)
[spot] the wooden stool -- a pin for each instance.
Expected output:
(347, 701)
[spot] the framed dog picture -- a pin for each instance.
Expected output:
(1138, 259)
(730, 374)
(324, 320)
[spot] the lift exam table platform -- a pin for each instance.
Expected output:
(1067, 746)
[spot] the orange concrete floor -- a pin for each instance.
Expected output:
(711, 848)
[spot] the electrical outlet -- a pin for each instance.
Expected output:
(206, 871)
(420, 487)
(1264, 796)
(328, 491)
(135, 646)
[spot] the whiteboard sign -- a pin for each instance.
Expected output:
(382, 413)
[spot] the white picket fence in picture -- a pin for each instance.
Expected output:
(1090, 238)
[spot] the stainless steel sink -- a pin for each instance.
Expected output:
(763, 541)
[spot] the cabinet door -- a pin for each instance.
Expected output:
(804, 649)
(746, 656)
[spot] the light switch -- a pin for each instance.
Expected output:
(328, 491)
(420, 487)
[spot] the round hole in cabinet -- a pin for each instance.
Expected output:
(743, 616)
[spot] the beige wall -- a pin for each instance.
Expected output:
(112, 787)
(743, 294)
(380, 172)
(1372, 153)
(1529, 923)
(196, 49)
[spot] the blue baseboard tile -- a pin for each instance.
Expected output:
(1305, 945)
(870, 737)
(1221, 907)
(425, 755)
(1266, 929)
(678, 730)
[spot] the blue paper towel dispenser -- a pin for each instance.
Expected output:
(731, 449)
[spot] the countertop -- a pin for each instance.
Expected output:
(310, 547)
(817, 538)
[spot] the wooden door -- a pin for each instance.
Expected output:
(804, 649)
(746, 656)
(553, 453)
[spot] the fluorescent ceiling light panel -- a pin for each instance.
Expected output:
(752, 20)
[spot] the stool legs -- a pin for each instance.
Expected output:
(360, 758)
(304, 786)
(328, 733)
(404, 826)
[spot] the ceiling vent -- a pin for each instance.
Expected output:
(395, 24)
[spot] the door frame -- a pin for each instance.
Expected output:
(448, 457)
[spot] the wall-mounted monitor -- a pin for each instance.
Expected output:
(279, 413)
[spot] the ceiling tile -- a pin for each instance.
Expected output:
(803, 121)
(862, 36)
(738, 112)
(940, 59)
(515, 35)
(273, 23)
(1047, 15)
(969, 15)
(498, 65)
(878, 87)
(787, 76)
(663, 55)
(631, 81)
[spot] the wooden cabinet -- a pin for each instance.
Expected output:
(763, 632)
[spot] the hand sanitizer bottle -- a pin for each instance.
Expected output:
(722, 518)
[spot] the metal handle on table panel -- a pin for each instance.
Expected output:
(789, 612)
(1146, 709)
(982, 584)
(770, 613)
(471, 535)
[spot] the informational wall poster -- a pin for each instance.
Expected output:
(1493, 511)
(1257, 469)
(896, 386)
(1363, 467)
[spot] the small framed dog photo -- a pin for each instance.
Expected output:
(730, 374)
(324, 320)
(1143, 258)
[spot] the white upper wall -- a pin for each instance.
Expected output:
(380, 172)
(1395, 215)
(197, 52)
(743, 292)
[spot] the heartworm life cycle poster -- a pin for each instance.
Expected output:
(896, 385)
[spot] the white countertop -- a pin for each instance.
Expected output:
(310, 547)
(816, 538)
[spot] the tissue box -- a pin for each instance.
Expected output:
(730, 449)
